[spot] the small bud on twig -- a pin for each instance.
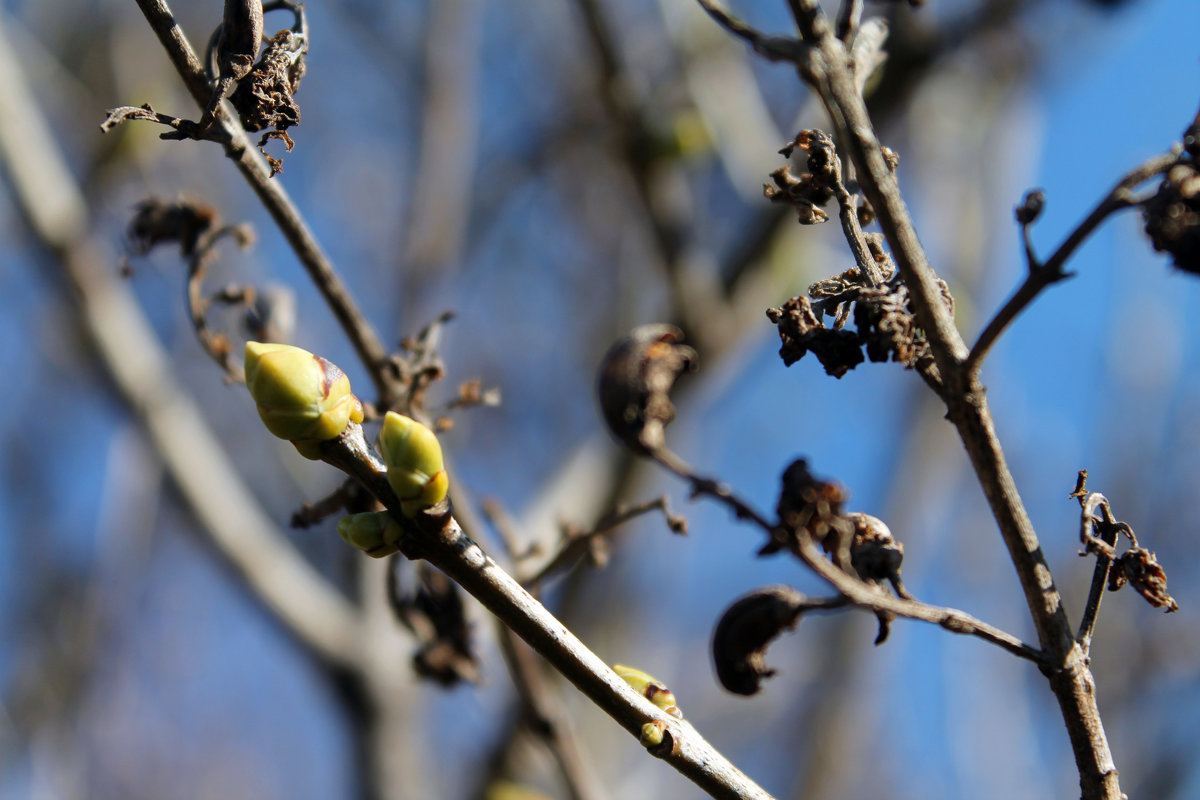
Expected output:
(413, 456)
(373, 532)
(301, 397)
(650, 688)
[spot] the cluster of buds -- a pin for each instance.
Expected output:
(307, 400)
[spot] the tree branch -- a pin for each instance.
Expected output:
(275, 199)
(437, 537)
(831, 73)
(1051, 271)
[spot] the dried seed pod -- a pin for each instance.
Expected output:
(635, 378)
(874, 552)
(740, 640)
(373, 532)
(300, 396)
(414, 461)
(1172, 216)
(650, 688)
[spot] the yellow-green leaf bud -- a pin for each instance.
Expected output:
(300, 396)
(650, 688)
(374, 532)
(414, 463)
(652, 733)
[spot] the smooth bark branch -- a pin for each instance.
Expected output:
(440, 540)
(277, 202)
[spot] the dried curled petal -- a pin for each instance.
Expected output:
(636, 376)
(435, 613)
(741, 637)
(373, 532)
(300, 396)
(413, 456)
(650, 688)
(801, 332)
(1141, 570)
(1172, 216)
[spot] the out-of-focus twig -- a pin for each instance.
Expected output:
(1042, 274)
(303, 602)
(442, 190)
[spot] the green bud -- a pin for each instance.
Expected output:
(648, 687)
(414, 461)
(301, 397)
(652, 733)
(374, 532)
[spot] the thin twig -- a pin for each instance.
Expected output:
(576, 542)
(772, 48)
(1045, 273)
(270, 191)
(861, 594)
(216, 345)
(1104, 560)
(848, 18)
(545, 716)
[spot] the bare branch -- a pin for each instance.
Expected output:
(772, 48)
(1042, 274)
(576, 542)
(856, 591)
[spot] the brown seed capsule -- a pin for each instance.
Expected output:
(635, 378)
(740, 640)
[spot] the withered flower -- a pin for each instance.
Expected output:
(810, 505)
(801, 331)
(1172, 216)
(156, 221)
(1138, 567)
